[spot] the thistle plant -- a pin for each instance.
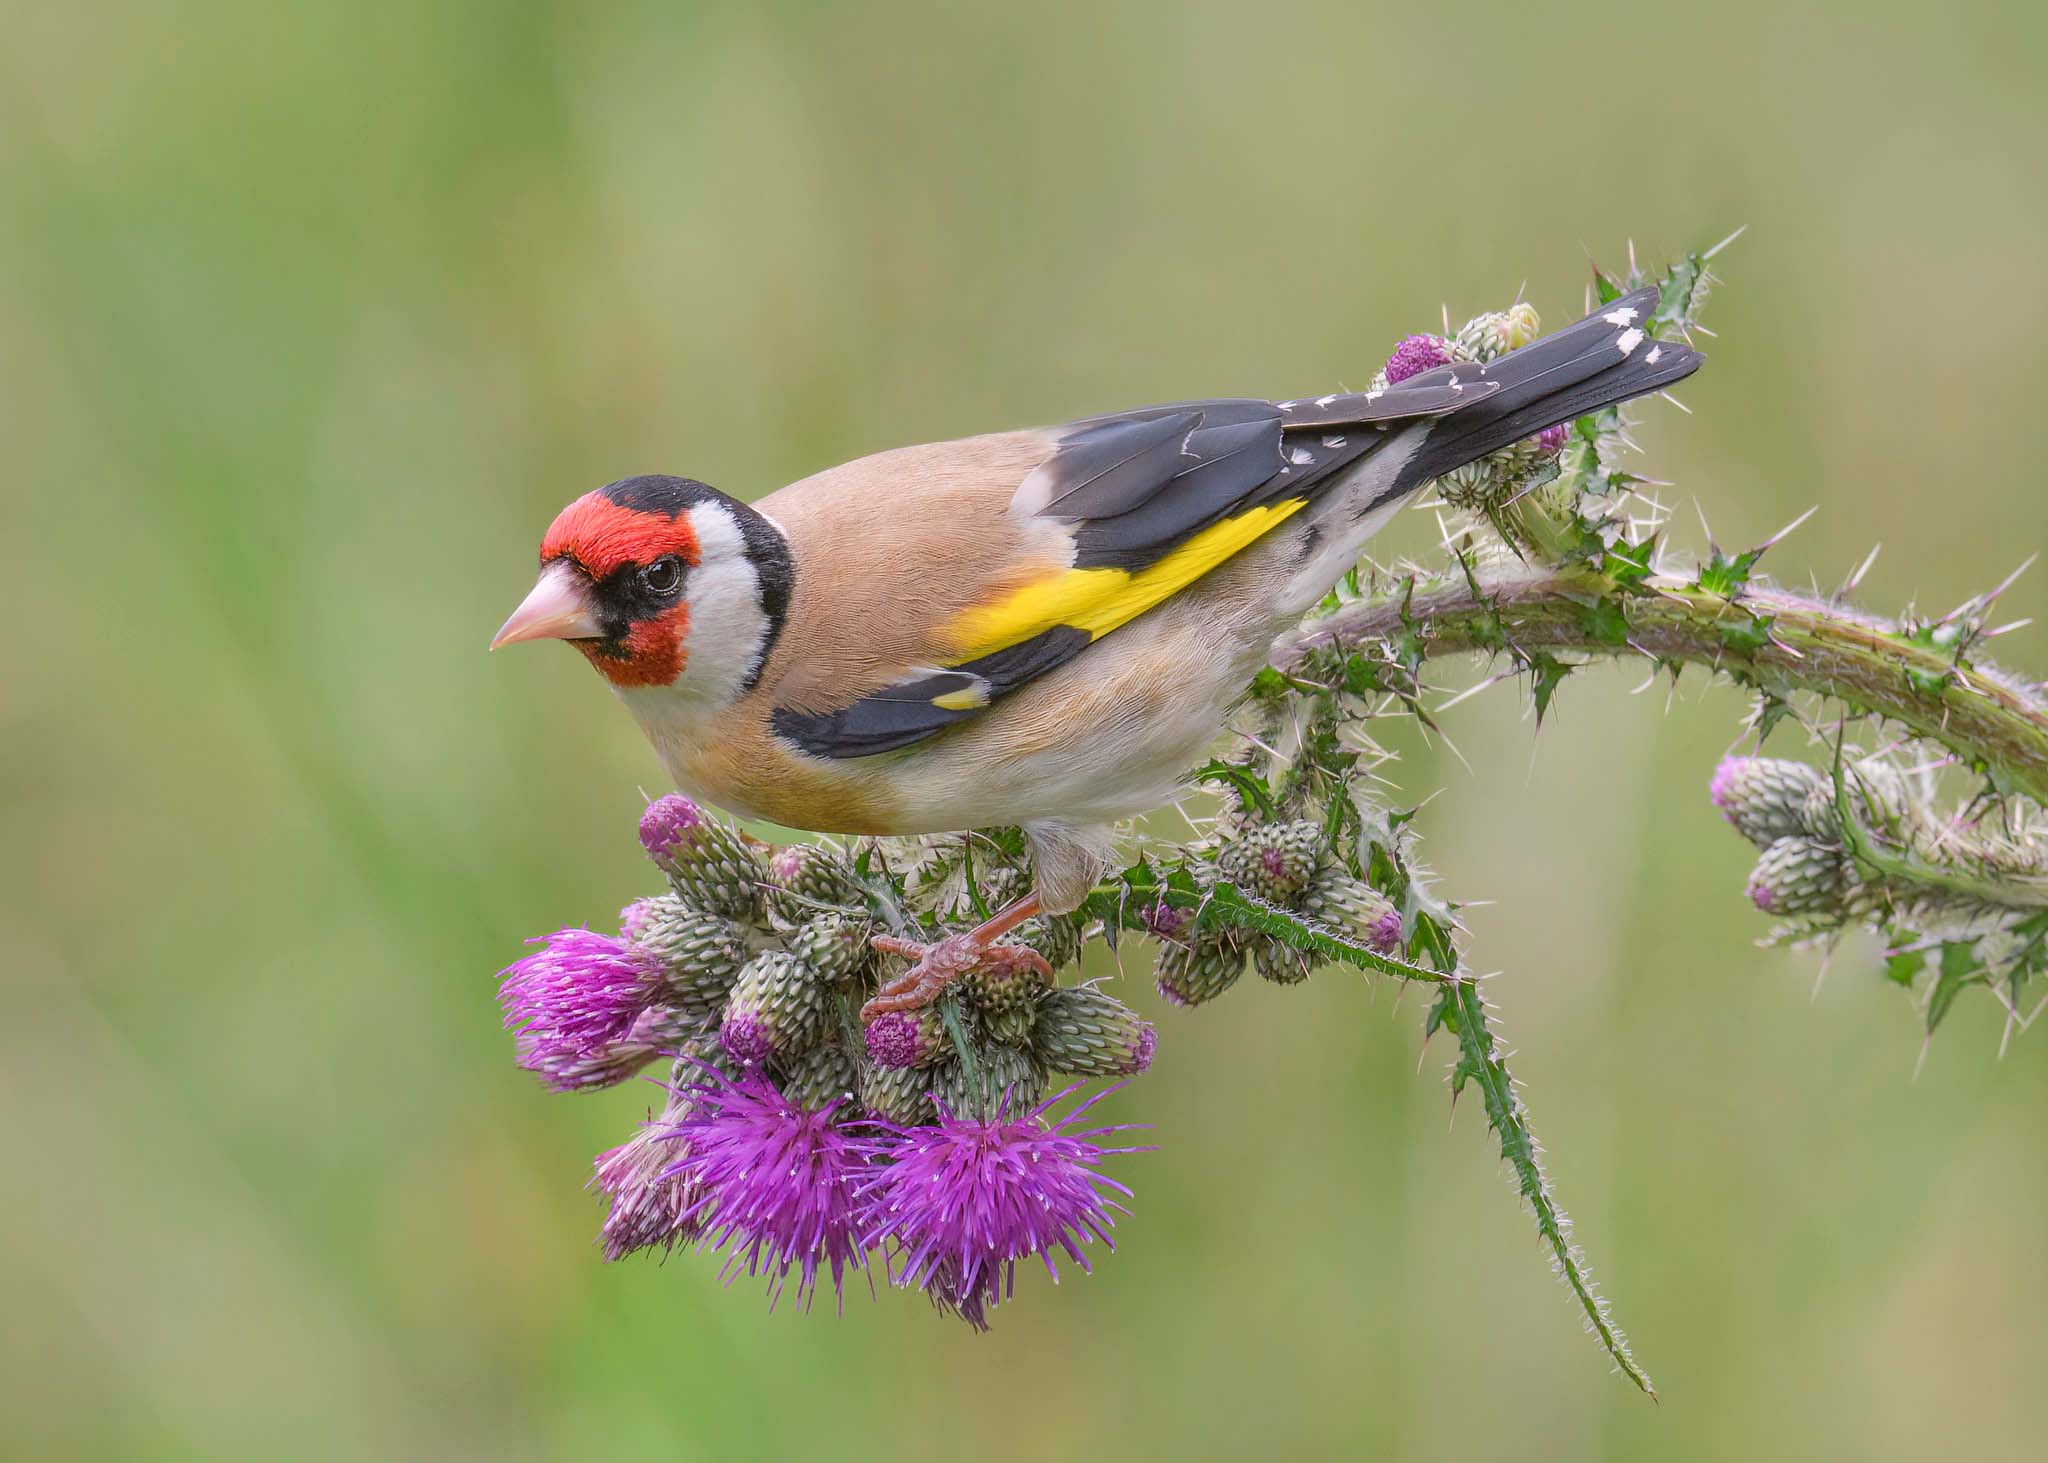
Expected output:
(803, 1144)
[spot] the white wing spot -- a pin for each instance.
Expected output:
(1301, 457)
(1628, 340)
(1374, 395)
(1325, 400)
(1333, 441)
(1656, 354)
(1626, 315)
(1289, 405)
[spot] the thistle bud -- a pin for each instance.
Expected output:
(1199, 971)
(1799, 877)
(777, 1008)
(914, 1038)
(1353, 907)
(1765, 798)
(897, 1095)
(1087, 1033)
(1273, 861)
(1006, 1079)
(700, 954)
(834, 945)
(1876, 796)
(1413, 356)
(706, 862)
(997, 985)
(1489, 336)
(814, 1078)
(802, 877)
(1012, 1024)
(1550, 441)
(1279, 962)
(1055, 936)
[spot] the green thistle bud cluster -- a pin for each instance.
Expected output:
(700, 953)
(1273, 861)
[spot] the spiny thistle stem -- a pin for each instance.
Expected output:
(1771, 638)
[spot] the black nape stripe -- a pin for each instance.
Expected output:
(774, 569)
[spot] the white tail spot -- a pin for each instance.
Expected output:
(1325, 400)
(1301, 457)
(1626, 315)
(1656, 354)
(1628, 340)
(1333, 441)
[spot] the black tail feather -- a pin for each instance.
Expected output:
(1606, 358)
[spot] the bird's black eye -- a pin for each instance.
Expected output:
(663, 576)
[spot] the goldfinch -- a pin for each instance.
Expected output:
(1043, 628)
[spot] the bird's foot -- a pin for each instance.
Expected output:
(938, 964)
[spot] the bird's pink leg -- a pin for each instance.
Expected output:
(937, 965)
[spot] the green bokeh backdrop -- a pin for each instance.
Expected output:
(310, 316)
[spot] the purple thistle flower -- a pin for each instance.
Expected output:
(964, 1199)
(670, 821)
(746, 1038)
(568, 1067)
(1413, 356)
(906, 1038)
(1724, 790)
(1384, 933)
(580, 993)
(1550, 441)
(773, 1183)
(649, 1208)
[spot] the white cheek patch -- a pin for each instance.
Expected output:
(728, 631)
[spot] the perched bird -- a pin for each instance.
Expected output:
(1043, 628)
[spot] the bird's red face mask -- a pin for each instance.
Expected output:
(614, 583)
(638, 573)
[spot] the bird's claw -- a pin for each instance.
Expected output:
(937, 965)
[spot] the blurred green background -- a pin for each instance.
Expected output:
(310, 317)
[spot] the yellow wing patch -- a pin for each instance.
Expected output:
(1099, 600)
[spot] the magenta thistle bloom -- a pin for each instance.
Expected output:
(1550, 441)
(773, 1183)
(670, 822)
(906, 1038)
(649, 1207)
(568, 1067)
(1413, 356)
(964, 1199)
(1384, 933)
(581, 991)
(634, 918)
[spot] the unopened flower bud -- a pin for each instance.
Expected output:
(805, 878)
(897, 1094)
(1273, 861)
(1489, 336)
(1765, 797)
(1012, 1024)
(1087, 1033)
(1055, 936)
(999, 985)
(914, 1038)
(700, 954)
(1279, 962)
(1354, 908)
(777, 1008)
(1006, 1079)
(1550, 441)
(814, 1078)
(1413, 356)
(1200, 970)
(834, 945)
(1798, 877)
(705, 860)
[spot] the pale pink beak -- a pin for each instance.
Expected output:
(557, 608)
